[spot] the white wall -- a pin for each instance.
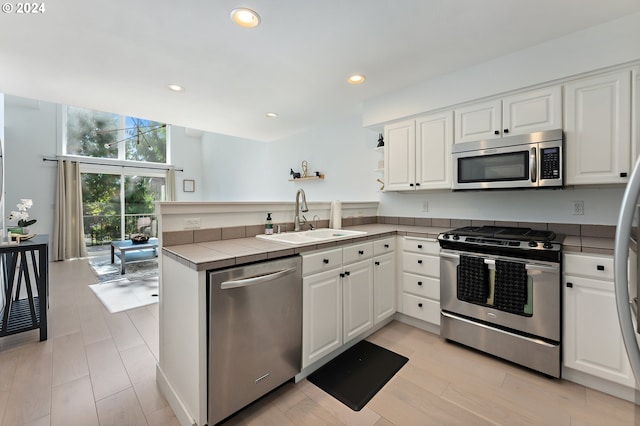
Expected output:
(343, 152)
(597, 47)
(186, 154)
(601, 205)
(30, 133)
(234, 169)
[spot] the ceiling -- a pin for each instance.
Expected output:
(119, 55)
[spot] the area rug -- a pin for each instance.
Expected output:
(127, 293)
(107, 271)
(357, 374)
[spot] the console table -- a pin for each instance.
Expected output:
(24, 308)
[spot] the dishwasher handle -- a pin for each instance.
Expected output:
(244, 282)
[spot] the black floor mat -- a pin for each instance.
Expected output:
(357, 374)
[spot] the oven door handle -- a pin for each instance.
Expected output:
(542, 268)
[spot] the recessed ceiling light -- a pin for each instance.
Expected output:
(356, 79)
(175, 88)
(271, 115)
(245, 18)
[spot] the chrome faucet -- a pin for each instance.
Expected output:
(296, 220)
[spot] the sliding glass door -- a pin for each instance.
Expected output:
(115, 206)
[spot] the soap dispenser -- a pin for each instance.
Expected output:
(268, 226)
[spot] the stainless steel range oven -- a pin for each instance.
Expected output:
(500, 292)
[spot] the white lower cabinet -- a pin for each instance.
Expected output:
(338, 296)
(421, 279)
(384, 279)
(357, 300)
(321, 315)
(592, 340)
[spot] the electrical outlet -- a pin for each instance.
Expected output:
(577, 207)
(191, 223)
(425, 206)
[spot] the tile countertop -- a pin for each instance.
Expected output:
(223, 253)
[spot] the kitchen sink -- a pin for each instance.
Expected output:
(310, 237)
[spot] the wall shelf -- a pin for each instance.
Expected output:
(307, 178)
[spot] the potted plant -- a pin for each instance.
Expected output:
(22, 216)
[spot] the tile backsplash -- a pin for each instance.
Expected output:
(190, 236)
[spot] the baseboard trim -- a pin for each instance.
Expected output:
(179, 410)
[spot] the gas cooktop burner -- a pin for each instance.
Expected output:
(506, 233)
(501, 240)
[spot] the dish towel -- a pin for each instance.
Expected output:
(511, 287)
(473, 280)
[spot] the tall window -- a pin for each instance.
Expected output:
(117, 201)
(104, 135)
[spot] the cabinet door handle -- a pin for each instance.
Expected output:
(419, 282)
(347, 273)
(420, 262)
(386, 246)
(325, 261)
(623, 174)
(600, 267)
(377, 263)
(419, 305)
(570, 285)
(411, 185)
(506, 131)
(341, 275)
(496, 132)
(419, 246)
(360, 252)
(417, 183)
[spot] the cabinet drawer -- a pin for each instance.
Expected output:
(421, 264)
(589, 266)
(421, 286)
(322, 261)
(357, 252)
(421, 245)
(424, 309)
(386, 245)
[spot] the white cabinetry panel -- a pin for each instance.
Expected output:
(592, 340)
(598, 129)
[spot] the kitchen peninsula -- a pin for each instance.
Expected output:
(227, 239)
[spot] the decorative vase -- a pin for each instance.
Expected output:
(18, 230)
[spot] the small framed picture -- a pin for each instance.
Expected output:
(188, 185)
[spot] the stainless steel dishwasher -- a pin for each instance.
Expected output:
(255, 332)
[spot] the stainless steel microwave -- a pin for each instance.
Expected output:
(533, 160)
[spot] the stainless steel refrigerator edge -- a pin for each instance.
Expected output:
(621, 278)
(255, 332)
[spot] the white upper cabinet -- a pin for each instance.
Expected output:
(479, 121)
(434, 137)
(418, 153)
(598, 129)
(399, 155)
(532, 111)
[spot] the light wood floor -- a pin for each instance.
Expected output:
(98, 368)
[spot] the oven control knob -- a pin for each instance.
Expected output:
(445, 236)
(456, 236)
(547, 245)
(533, 244)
